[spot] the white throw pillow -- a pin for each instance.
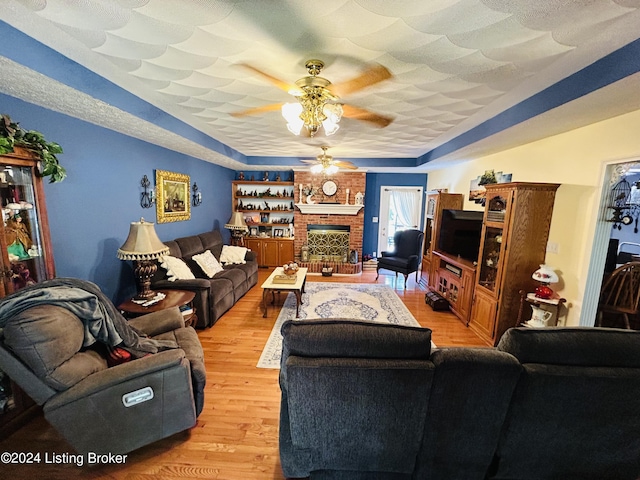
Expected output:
(176, 269)
(231, 254)
(208, 263)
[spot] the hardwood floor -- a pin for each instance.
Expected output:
(237, 433)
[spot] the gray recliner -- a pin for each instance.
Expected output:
(97, 407)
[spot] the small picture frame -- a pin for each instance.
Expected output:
(277, 232)
(253, 231)
(264, 218)
(286, 233)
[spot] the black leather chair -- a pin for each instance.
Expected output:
(406, 256)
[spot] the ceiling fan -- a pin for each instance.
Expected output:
(319, 102)
(326, 164)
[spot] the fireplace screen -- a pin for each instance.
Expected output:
(328, 242)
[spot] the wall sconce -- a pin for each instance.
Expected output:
(197, 196)
(146, 198)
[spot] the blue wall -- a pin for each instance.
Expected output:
(90, 211)
(372, 202)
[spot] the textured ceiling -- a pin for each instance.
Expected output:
(455, 63)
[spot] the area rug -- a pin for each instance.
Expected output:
(358, 301)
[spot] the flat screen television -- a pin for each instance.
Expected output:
(460, 232)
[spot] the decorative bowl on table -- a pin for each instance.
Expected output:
(290, 268)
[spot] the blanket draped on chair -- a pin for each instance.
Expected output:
(102, 321)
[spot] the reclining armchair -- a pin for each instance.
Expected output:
(54, 343)
(406, 256)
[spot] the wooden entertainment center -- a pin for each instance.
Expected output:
(484, 294)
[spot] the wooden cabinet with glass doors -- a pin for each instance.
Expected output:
(25, 256)
(436, 202)
(513, 245)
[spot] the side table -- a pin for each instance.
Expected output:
(173, 298)
(554, 305)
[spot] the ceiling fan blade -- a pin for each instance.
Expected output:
(373, 74)
(309, 162)
(281, 84)
(358, 113)
(253, 111)
(344, 164)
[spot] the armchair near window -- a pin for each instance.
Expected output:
(97, 407)
(406, 256)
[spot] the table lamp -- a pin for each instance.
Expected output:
(143, 247)
(238, 228)
(545, 275)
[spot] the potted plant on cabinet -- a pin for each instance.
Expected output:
(12, 135)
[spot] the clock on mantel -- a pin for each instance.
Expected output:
(329, 188)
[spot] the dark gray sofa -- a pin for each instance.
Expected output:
(214, 296)
(371, 401)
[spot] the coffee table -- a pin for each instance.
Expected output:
(297, 288)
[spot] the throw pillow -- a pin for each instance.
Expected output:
(176, 269)
(231, 254)
(208, 263)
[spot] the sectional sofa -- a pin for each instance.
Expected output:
(216, 295)
(372, 401)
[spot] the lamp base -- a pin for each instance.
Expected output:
(144, 270)
(544, 291)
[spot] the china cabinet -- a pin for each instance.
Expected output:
(25, 256)
(514, 238)
(436, 202)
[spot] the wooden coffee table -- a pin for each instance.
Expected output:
(297, 288)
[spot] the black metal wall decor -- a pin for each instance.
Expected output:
(197, 196)
(625, 211)
(146, 198)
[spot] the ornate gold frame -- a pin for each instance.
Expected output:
(173, 199)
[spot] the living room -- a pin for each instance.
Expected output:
(91, 210)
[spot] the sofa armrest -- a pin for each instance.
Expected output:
(386, 254)
(105, 379)
(250, 256)
(156, 323)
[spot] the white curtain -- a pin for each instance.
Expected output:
(405, 205)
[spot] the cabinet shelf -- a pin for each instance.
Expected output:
(264, 211)
(254, 197)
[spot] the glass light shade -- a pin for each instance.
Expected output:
(291, 113)
(317, 168)
(331, 169)
(142, 243)
(545, 274)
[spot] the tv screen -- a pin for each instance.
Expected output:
(460, 232)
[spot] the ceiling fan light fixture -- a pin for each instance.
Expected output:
(317, 168)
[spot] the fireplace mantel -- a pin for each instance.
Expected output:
(328, 208)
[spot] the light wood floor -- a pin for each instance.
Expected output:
(237, 433)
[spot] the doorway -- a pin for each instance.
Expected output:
(604, 232)
(400, 209)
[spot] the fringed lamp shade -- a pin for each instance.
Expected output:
(143, 247)
(238, 228)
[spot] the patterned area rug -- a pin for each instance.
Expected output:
(359, 301)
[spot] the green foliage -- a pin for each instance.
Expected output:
(489, 176)
(11, 134)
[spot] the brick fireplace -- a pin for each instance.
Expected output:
(355, 182)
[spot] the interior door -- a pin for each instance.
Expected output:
(400, 209)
